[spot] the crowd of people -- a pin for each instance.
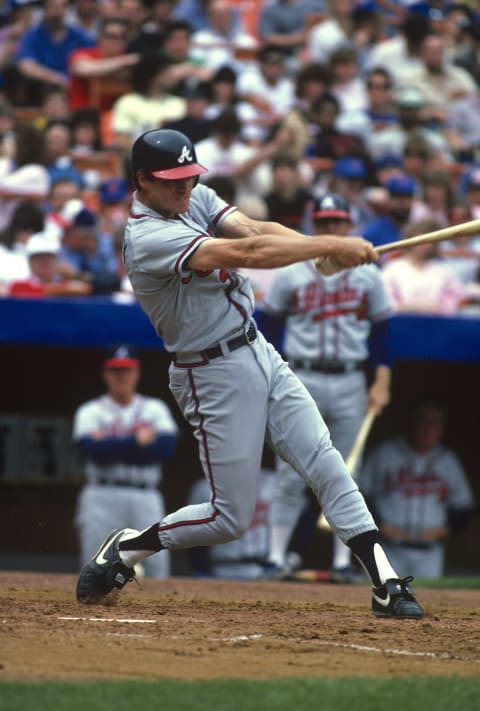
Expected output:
(283, 101)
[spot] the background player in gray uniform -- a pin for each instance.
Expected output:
(124, 437)
(419, 492)
(243, 558)
(329, 320)
(182, 247)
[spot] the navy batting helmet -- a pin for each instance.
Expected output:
(331, 207)
(166, 154)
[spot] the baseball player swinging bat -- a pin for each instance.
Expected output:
(353, 457)
(327, 265)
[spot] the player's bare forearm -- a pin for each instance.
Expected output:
(379, 392)
(267, 245)
(89, 68)
(435, 534)
(271, 251)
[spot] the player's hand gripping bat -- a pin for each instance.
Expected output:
(352, 459)
(328, 265)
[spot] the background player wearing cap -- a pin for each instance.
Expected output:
(388, 226)
(328, 323)
(182, 247)
(419, 491)
(124, 437)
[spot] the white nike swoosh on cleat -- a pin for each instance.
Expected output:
(100, 559)
(385, 602)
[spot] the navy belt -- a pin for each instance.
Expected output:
(243, 340)
(325, 366)
(129, 484)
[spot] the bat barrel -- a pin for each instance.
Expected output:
(465, 229)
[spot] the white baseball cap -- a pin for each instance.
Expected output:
(42, 243)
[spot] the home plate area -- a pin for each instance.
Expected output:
(205, 629)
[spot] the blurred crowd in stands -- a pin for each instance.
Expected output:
(378, 101)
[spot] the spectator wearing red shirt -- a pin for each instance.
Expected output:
(107, 60)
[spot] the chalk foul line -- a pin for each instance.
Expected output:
(108, 619)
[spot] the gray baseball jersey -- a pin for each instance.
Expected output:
(243, 394)
(328, 317)
(415, 492)
(183, 305)
(114, 420)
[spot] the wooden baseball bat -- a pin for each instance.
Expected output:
(353, 457)
(464, 229)
(328, 265)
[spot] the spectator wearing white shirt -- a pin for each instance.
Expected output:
(331, 32)
(222, 42)
(347, 85)
(440, 82)
(266, 87)
(401, 52)
(227, 155)
(27, 219)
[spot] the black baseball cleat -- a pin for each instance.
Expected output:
(396, 599)
(104, 572)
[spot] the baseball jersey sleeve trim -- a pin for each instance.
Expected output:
(180, 264)
(223, 213)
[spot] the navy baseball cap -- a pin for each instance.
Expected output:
(331, 207)
(113, 190)
(401, 184)
(85, 218)
(121, 357)
(389, 160)
(350, 167)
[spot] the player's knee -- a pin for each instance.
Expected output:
(233, 530)
(233, 525)
(239, 529)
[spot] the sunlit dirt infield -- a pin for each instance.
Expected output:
(205, 629)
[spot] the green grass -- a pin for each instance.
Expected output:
(407, 694)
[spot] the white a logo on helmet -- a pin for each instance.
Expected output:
(328, 203)
(185, 155)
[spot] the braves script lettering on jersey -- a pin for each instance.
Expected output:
(415, 493)
(328, 317)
